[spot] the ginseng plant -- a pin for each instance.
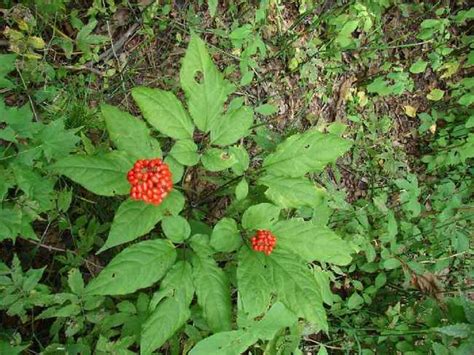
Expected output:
(255, 274)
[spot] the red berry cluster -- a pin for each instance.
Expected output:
(150, 180)
(263, 241)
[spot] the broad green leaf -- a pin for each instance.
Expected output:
(296, 287)
(130, 134)
(185, 152)
(205, 87)
(253, 269)
(75, 281)
(322, 279)
(435, 95)
(391, 263)
(176, 228)
(213, 292)
(136, 267)
(123, 231)
(166, 319)
(104, 174)
(226, 236)
(178, 281)
(242, 159)
(459, 330)
(237, 341)
(35, 186)
(171, 314)
(292, 192)
(233, 342)
(232, 126)
(7, 65)
(164, 112)
(303, 153)
(215, 159)
(380, 86)
(242, 189)
(355, 301)
(277, 318)
(312, 242)
(261, 216)
(177, 169)
(57, 142)
(19, 119)
(266, 109)
(418, 67)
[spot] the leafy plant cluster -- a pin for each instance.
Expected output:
(386, 272)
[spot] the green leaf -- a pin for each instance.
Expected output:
(253, 269)
(10, 223)
(212, 6)
(123, 231)
(312, 242)
(435, 95)
(261, 216)
(277, 318)
(164, 112)
(304, 153)
(165, 320)
(355, 301)
(380, 86)
(130, 134)
(213, 293)
(136, 267)
(297, 288)
(266, 109)
(7, 65)
(185, 152)
(215, 159)
(391, 263)
(418, 67)
(242, 189)
(232, 126)
(242, 159)
(226, 236)
(176, 228)
(177, 169)
(19, 119)
(172, 313)
(459, 330)
(104, 175)
(292, 192)
(57, 142)
(35, 187)
(233, 342)
(75, 281)
(205, 87)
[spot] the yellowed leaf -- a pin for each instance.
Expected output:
(362, 98)
(410, 111)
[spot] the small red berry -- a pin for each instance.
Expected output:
(150, 181)
(263, 241)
